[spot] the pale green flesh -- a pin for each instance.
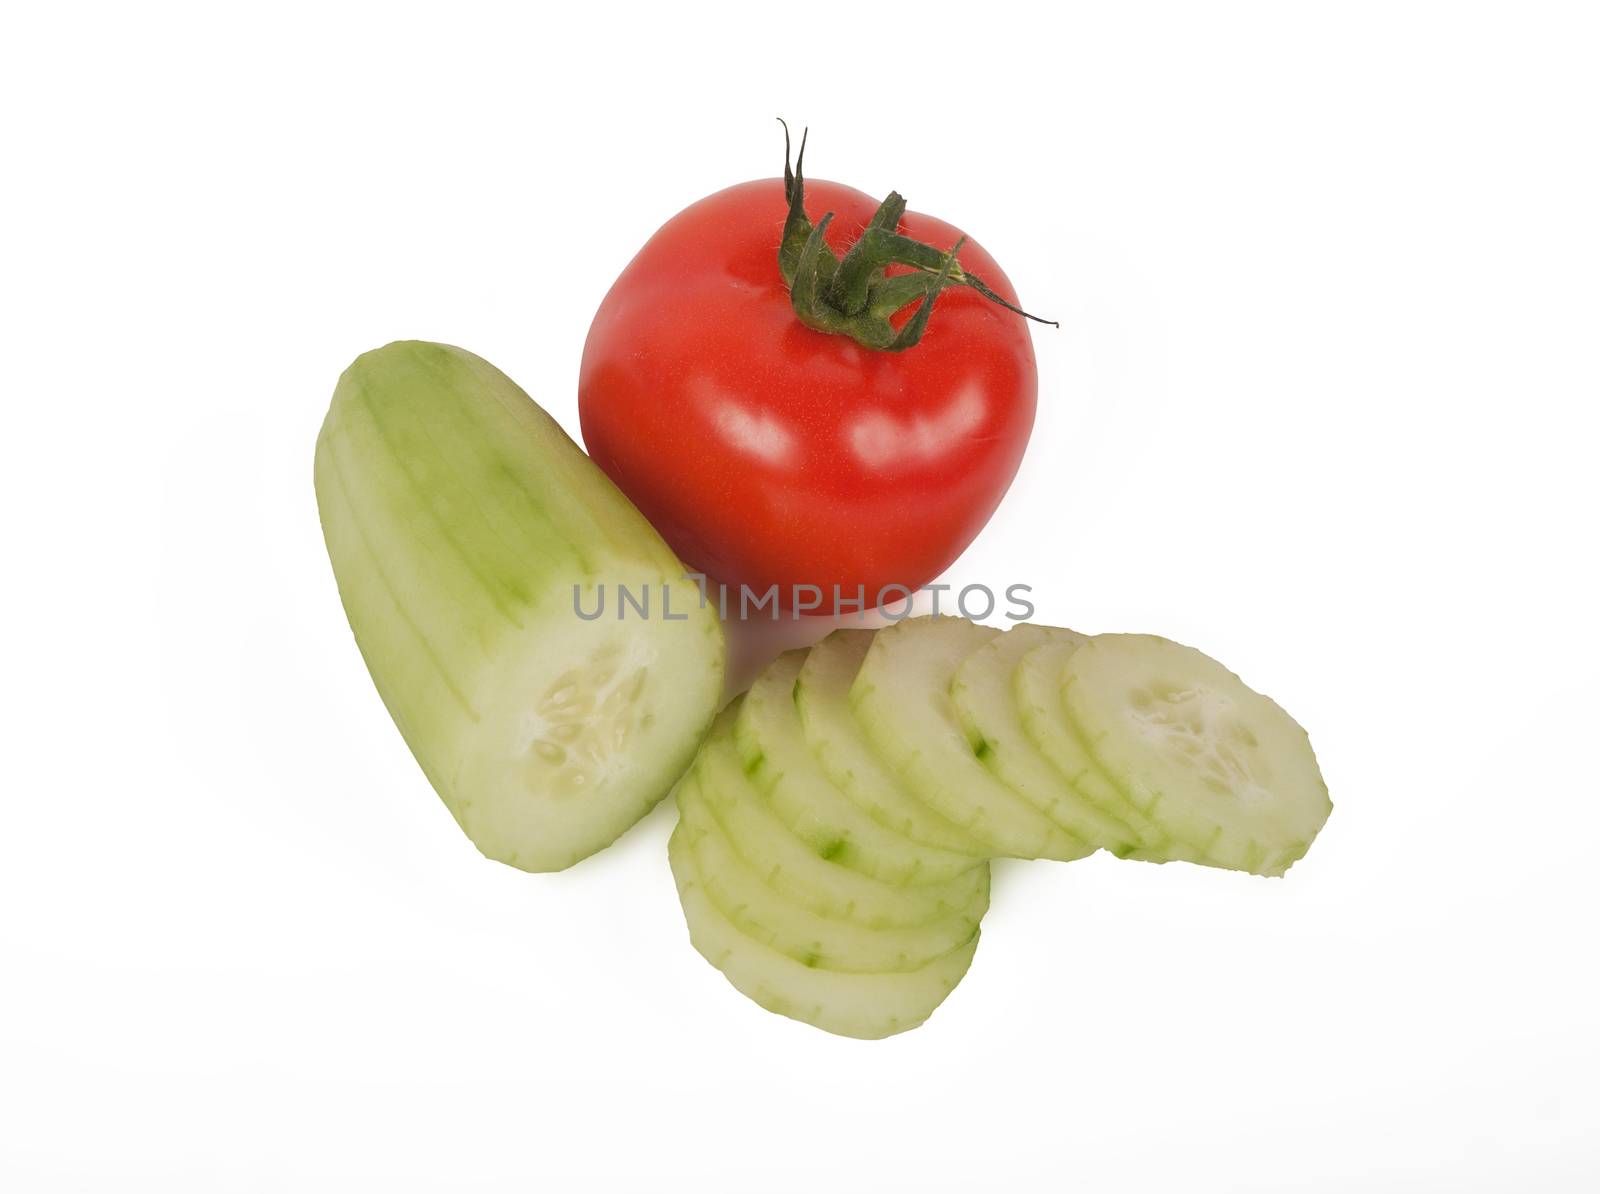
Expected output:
(984, 701)
(867, 1006)
(802, 875)
(901, 697)
(760, 912)
(821, 697)
(771, 743)
(1221, 767)
(1036, 689)
(1038, 727)
(458, 517)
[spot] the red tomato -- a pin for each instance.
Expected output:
(769, 453)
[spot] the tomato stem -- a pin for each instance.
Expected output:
(855, 296)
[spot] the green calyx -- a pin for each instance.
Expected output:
(854, 295)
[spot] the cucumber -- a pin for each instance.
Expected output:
(802, 874)
(867, 1006)
(901, 697)
(772, 746)
(985, 703)
(461, 522)
(1220, 767)
(1036, 689)
(821, 697)
(758, 911)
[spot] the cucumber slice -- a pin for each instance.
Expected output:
(985, 703)
(771, 743)
(867, 1006)
(821, 697)
(761, 913)
(1036, 689)
(803, 875)
(1219, 766)
(901, 697)
(460, 520)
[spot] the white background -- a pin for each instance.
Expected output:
(1323, 404)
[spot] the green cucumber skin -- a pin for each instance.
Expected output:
(761, 912)
(863, 1006)
(1045, 723)
(1220, 845)
(771, 743)
(985, 701)
(458, 516)
(895, 706)
(848, 759)
(765, 893)
(804, 876)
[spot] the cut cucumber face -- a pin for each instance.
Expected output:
(901, 697)
(1036, 685)
(580, 732)
(776, 757)
(1220, 767)
(1046, 743)
(802, 874)
(758, 911)
(866, 1006)
(821, 697)
(460, 520)
(985, 702)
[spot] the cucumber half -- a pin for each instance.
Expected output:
(464, 527)
(1220, 767)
